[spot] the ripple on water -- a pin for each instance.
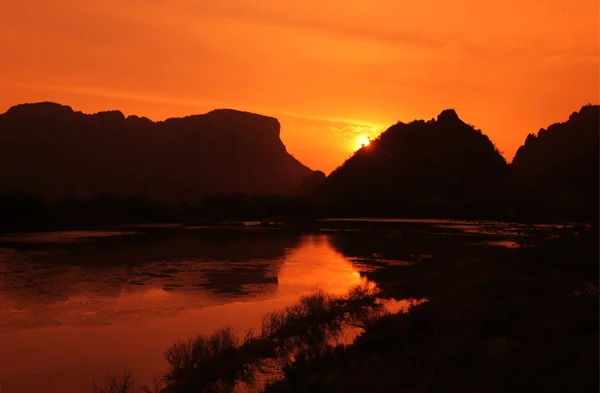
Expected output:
(76, 236)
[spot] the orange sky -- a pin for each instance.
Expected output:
(331, 71)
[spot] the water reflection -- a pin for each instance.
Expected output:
(72, 311)
(231, 263)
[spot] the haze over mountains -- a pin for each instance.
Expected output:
(50, 150)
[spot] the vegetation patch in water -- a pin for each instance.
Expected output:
(226, 360)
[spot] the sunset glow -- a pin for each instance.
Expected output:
(326, 71)
(362, 141)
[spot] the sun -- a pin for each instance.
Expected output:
(362, 140)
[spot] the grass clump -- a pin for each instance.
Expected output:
(222, 361)
(116, 383)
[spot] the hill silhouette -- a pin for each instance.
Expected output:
(559, 165)
(442, 161)
(49, 150)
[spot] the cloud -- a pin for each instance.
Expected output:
(108, 93)
(351, 131)
(340, 29)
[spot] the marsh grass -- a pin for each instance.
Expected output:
(116, 383)
(226, 360)
(124, 383)
(223, 360)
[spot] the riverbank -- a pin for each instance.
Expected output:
(498, 319)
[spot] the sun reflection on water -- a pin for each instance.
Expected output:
(102, 318)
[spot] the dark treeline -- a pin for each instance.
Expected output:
(26, 212)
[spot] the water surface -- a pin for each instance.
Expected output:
(75, 305)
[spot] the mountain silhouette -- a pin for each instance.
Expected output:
(442, 160)
(50, 150)
(560, 163)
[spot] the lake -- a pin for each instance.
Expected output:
(76, 305)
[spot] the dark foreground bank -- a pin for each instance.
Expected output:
(510, 320)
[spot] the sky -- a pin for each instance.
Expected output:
(333, 72)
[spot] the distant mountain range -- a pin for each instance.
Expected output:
(50, 150)
(444, 165)
(438, 167)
